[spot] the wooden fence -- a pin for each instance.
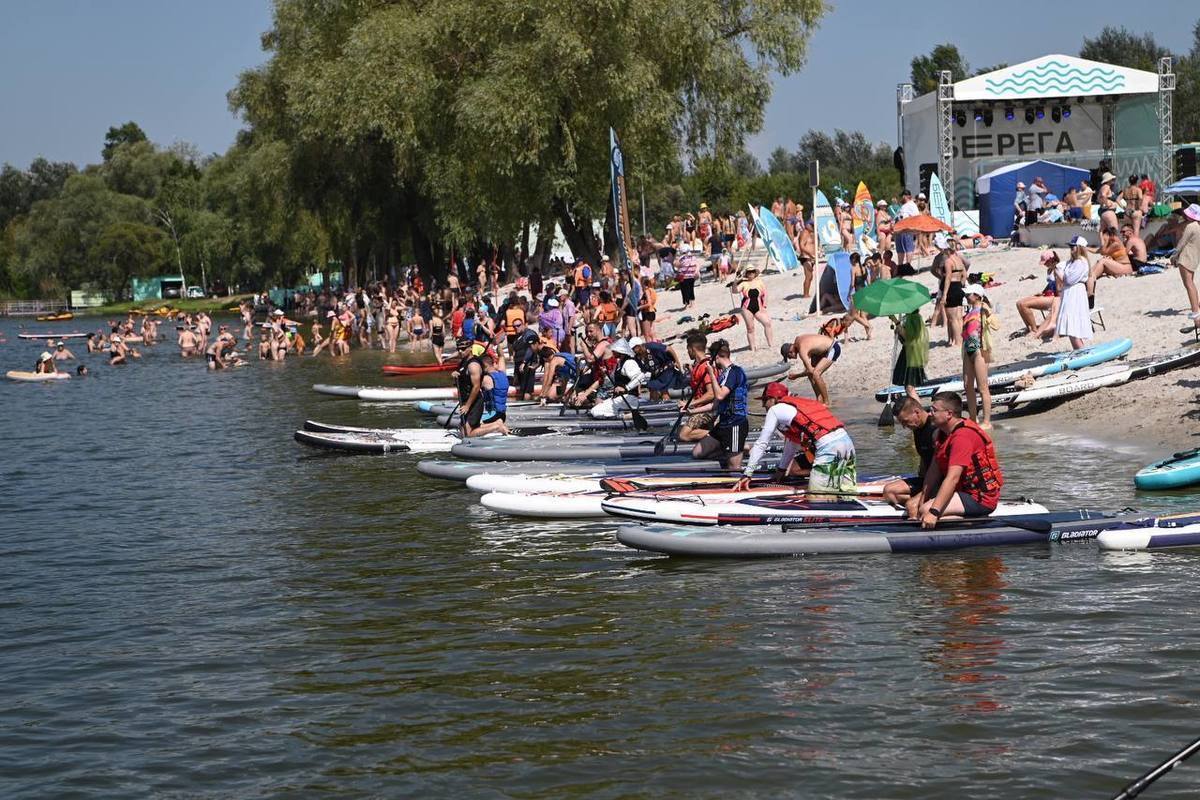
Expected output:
(22, 308)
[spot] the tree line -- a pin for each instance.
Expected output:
(379, 134)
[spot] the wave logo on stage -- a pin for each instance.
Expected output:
(1057, 77)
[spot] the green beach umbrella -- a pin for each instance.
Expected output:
(890, 297)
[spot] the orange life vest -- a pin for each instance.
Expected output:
(581, 278)
(607, 312)
(813, 420)
(699, 377)
(511, 315)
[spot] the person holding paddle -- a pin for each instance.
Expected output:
(730, 388)
(964, 479)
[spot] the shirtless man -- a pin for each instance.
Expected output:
(1134, 246)
(320, 340)
(203, 328)
(189, 342)
(817, 353)
(806, 246)
(216, 352)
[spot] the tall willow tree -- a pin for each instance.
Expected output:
(462, 120)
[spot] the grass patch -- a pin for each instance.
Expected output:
(219, 305)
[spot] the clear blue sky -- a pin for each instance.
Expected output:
(72, 68)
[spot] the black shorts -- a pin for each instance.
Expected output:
(439, 340)
(733, 438)
(474, 414)
(212, 359)
(502, 416)
(648, 316)
(972, 508)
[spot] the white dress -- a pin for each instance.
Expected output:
(1074, 317)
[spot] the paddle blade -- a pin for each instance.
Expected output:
(639, 421)
(886, 418)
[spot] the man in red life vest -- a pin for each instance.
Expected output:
(964, 479)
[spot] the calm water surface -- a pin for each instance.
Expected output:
(193, 605)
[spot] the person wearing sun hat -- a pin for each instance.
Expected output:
(811, 432)
(1107, 199)
(45, 364)
(1187, 257)
(1074, 317)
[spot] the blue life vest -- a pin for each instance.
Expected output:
(499, 398)
(733, 409)
(570, 369)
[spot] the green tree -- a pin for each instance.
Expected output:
(1121, 47)
(926, 69)
(1186, 110)
(485, 115)
(128, 133)
(125, 250)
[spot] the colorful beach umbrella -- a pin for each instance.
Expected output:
(921, 223)
(891, 296)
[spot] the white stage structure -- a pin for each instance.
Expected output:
(1058, 108)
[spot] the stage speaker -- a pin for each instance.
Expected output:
(1185, 162)
(925, 171)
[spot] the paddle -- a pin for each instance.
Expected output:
(1135, 788)
(639, 419)
(661, 445)
(450, 416)
(887, 417)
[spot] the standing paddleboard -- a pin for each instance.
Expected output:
(826, 225)
(779, 244)
(939, 208)
(863, 215)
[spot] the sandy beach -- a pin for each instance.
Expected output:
(1160, 412)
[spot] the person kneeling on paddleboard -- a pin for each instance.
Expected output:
(730, 388)
(627, 379)
(45, 365)
(806, 425)
(494, 390)
(964, 479)
(911, 414)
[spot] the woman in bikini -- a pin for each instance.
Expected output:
(754, 307)
(951, 298)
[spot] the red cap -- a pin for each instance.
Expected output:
(774, 391)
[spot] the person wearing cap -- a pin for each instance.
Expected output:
(754, 307)
(1020, 203)
(118, 352)
(221, 346)
(976, 350)
(912, 414)
(1186, 256)
(730, 388)
(817, 352)
(883, 225)
(661, 363)
(624, 381)
(45, 364)
(1035, 200)
(61, 353)
(950, 267)
(1074, 315)
(1045, 300)
(809, 430)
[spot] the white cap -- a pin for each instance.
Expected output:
(552, 303)
(278, 312)
(974, 288)
(636, 341)
(941, 241)
(921, 196)
(1020, 184)
(1078, 241)
(621, 346)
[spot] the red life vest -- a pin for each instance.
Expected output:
(699, 378)
(984, 477)
(813, 420)
(721, 323)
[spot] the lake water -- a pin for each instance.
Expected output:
(193, 605)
